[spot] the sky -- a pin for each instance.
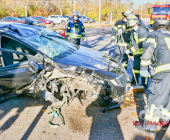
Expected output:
(137, 2)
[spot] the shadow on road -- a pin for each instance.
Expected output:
(21, 102)
(104, 125)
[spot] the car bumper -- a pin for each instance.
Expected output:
(40, 24)
(49, 25)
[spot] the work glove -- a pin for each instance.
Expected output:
(145, 73)
(129, 47)
(83, 38)
(127, 51)
(113, 40)
(119, 32)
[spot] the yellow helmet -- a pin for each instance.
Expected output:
(128, 13)
(132, 20)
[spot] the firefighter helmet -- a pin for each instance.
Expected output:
(162, 23)
(132, 20)
(128, 13)
(76, 14)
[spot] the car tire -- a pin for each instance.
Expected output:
(63, 22)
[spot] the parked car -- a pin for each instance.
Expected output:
(13, 19)
(86, 19)
(32, 21)
(38, 61)
(48, 23)
(57, 19)
(66, 17)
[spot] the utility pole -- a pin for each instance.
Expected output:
(26, 10)
(74, 6)
(99, 11)
(141, 10)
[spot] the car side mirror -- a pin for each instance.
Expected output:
(32, 67)
(48, 67)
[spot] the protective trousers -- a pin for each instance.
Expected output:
(75, 41)
(158, 100)
(136, 67)
(119, 51)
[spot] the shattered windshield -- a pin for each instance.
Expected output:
(51, 44)
(161, 10)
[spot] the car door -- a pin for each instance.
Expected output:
(56, 19)
(37, 18)
(14, 70)
(85, 19)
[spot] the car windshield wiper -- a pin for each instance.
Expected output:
(56, 36)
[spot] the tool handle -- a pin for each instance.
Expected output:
(130, 62)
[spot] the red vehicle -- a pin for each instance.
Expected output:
(43, 19)
(161, 11)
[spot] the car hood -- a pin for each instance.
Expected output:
(48, 20)
(86, 58)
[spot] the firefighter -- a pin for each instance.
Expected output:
(157, 51)
(117, 30)
(75, 30)
(139, 32)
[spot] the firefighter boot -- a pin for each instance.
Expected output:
(147, 127)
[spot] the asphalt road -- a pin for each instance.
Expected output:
(27, 118)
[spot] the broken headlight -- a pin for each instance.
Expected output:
(94, 78)
(120, 80)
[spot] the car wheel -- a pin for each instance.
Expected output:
(63, 22)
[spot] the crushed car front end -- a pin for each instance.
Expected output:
(68, 70)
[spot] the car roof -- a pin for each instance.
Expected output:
(22, 30)
(36, 16)
(54, 15)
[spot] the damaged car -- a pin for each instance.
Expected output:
(40, 62)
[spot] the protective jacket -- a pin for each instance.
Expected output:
(126, 35)
(157, 50)
(75, 30)
(138, 37)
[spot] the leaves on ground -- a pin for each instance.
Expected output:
(134, 113)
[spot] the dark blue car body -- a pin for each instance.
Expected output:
(83, 62)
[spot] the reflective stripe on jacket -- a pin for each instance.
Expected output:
(75, 30)
(157, 50)
(126, 35)
(138, 37)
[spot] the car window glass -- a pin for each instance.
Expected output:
(8, 18)
(55, 48)
(1, 65)
(8, 43)
(12, 58)
(37, 18)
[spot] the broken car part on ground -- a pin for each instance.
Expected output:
(39, 62)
